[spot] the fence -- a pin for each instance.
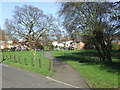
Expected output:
(16, 59)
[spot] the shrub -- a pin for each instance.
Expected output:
(115, 46)
(41, 47)
(89, 46)
(5, 50)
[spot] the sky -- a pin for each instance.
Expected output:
(7, 9)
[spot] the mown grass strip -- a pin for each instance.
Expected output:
(86, 62)
(23, 60)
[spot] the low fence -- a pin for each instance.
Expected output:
(16, 59)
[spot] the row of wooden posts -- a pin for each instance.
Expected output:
(5, 57)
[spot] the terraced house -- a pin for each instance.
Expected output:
(5, 40)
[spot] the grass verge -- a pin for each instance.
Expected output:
(28, 55)
(86, 62)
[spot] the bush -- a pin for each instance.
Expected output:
(89, 46)
(12, 49)
(41, 47)
(5, 50)
(51, 47)
(115, 46)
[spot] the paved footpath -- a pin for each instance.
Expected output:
(66, 74)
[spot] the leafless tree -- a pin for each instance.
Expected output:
(99, 21)
(31, 23)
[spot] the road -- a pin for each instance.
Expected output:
(13, 77)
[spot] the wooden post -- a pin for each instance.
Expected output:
(15, 59)
(6, 57)
(32, 62)
(51, 65)
(40, 65)
(19, 60)
(3, 57)
(25, 61)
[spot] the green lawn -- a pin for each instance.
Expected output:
(28, 55)
(87, 63)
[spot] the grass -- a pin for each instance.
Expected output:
(86, 62)
(28, 55)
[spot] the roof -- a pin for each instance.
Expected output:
(4, 37)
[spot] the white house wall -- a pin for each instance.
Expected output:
(67, 44)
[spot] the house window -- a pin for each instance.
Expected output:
(9, 46)
(9, 41)
(77, 42)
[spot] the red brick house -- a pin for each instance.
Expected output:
(5, 40)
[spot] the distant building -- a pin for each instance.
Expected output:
(116, 39)
(57, 45)
(68, 44)
(77, 45)
(5, 40)
(22, 45)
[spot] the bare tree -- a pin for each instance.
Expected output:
(31, 23)
(93, 19)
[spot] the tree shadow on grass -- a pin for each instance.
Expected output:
(79, 59)
(116, 54)
(3, 60)
(91, 58)
(113, 67)
(87, 53)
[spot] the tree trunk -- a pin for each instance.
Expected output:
(109, 50)
(106, 49)
(101, 55)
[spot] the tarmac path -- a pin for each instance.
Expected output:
(64, 77)
(13, 77)
(65, 73)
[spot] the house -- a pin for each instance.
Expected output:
(5, 41)
(22, 44)
(57, 45)
(70, 44)
(116, 39)
(77, 45)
